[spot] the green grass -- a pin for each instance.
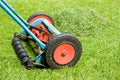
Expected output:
(94, 22)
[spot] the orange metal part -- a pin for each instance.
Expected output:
(64, 53)
(41, 32)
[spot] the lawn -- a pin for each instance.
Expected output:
(94, 22)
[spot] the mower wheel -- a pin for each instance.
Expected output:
(40, 30)
(63, 50)
(39, 15)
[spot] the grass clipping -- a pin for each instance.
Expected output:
(80, 22)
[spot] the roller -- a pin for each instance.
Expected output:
(22, 54)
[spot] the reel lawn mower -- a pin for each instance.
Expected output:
(55, 50)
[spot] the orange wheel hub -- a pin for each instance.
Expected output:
(64, 53)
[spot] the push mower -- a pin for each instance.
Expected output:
(55, 50)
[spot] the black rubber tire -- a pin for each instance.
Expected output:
(55, 42)
(40, 14)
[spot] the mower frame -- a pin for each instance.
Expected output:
(61, 43)
(25, 25)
